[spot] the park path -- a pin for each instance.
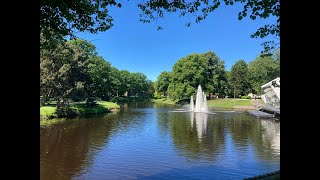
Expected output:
(256, 102)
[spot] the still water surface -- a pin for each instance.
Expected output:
(147, 141)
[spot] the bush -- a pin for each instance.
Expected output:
(91, 102)
(156, 95)
(66, 112)
(245, 97)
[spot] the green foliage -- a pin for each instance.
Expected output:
(76, 110)
(48, 111)
(239, 78)
(129, 99)
(109, 105)
(163, 82)
(73, 70)
(199, 10)
(156, 95)
(245, 97)
(204, 69)
(262, 70)
(164, 101)
(61, 18)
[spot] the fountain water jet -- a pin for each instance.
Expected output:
(201, 102)
(191, 104)
(200, 106)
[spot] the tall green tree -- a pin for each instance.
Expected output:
(239, 78)
(63, 72)
(115, 81)
(54, 72)
(217, 77)
(261, 71)
(99, 71)
(163, 82)
(187, 74)
(204, 69)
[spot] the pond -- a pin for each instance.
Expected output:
(148, 141)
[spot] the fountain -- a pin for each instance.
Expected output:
(201, 102)
(201, 105)
(191, 104)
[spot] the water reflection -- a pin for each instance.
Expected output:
(68, 148)
(149, 141)
(200, 121)
(198, 137)
(271, 135)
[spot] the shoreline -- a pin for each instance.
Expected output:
(77, 110)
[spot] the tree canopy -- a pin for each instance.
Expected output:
(239, 78)
(205, 69)
(61, 18)
(74, 70)
(262, 70)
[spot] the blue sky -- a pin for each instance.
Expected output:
(137, 47)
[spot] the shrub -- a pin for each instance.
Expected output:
(245, 97)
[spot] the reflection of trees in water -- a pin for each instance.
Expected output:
(67, 148)
(198, 136)
(246, 130)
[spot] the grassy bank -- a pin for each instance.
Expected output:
(49, 112)
(229, 103)
(164, 101)
(216, 103)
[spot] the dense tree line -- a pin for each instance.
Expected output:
(208, 70)
(73, 70)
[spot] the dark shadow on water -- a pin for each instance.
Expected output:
(205, 172)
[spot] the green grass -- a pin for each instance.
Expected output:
(261, 101)
(109, 105)
(47, 112)
(228, 103)
(164, 101)
(101, 107)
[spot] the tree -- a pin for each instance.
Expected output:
(62, 18)
(187, 74)
(163, 82)
(138, 84)
(204, 69)
(99, 72)
(239, 79)
(217, 77)
(55, 77)
(151, 88)
(115, 81)
(261, 71)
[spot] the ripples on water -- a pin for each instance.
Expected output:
(146, 141)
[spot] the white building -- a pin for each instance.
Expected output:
(272, 93)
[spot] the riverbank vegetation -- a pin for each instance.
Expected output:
(164, 101)
(229, 103)
(72, 72)
(209, 71)
(78, 109)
